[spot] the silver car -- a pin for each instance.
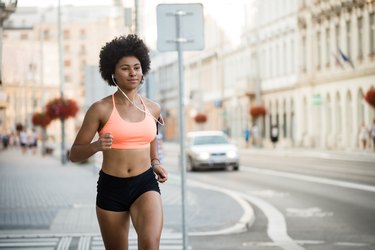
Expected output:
(210, 149)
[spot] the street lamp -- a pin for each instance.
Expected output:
(6, 8)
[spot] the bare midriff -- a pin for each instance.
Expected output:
(126, 162)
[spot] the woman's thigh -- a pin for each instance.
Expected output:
(147, 217)
(114, 227)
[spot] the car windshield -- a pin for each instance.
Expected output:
(209, 139)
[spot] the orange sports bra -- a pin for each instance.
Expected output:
(130, 135)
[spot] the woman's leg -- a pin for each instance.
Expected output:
(147, 217)
(114, 227)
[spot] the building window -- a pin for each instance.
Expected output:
(82, 50)
(277, 60)
(348, 43)
(285, 125)
(328, 47)
(24, 36)
(82, 34)
(67, 78)
(271, 62)
(337, 36)
(303, 54)
(284, 59)
(372, 33)
(66, 34)
(67, 63)
(360, 38)
(292, 61)
(46, 34)
(318, 50)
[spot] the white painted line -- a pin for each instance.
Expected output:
(84, 243)
(314, 179)
(351, 244)
(243, 223)
(277, 230)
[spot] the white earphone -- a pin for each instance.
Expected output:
(135, 105)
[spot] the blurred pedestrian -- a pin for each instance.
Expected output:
(159, 138)
(33, 141)
(247, 136)
(127, 126)
(363, 135)
(372, 133)
(274, 135)
(23, 138)
(5, 137)
(256, 134)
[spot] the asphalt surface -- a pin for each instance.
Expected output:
(42, 199)
(47, 205)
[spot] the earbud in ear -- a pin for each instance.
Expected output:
(114, 79)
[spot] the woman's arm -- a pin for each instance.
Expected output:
(155, 162)
(154, 156)
(83, 147)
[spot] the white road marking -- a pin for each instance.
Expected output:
(244, 222)
(277, 229)
(307, 212)
(270, 193)
(351, 244)
(272, 244)
(314, 179)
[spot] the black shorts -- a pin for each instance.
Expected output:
(119, 193)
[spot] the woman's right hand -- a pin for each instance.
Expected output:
(105, 141)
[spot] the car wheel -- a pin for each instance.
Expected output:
(236, 168)
(190, 166)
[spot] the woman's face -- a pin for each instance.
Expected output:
(128, 72)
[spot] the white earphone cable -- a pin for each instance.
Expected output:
(136, 106)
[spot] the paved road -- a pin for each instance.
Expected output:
(47, 205)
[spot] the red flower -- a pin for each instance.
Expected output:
(370, 97)
(41, 119)
(200, 118)
(257, 110)
(59, 108)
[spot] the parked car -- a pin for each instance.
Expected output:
(210, 149)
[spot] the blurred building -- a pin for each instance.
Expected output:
(31, 60)
(309, 62)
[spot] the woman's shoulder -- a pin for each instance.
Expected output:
(152, 106)
(102, 105)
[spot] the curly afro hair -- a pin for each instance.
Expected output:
(119, 47)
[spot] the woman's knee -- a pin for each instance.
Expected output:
(149, 242)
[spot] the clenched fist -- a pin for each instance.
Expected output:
(105, 141)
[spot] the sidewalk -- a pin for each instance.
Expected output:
(40, 196)
(346, 155)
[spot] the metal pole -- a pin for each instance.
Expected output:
(1, 48)
(182, 128)
(258, 94)
(61, 71)
(41, 72)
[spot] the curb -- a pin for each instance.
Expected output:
(244, 223)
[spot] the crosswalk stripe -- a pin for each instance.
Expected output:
(64, 243)
(85, 242)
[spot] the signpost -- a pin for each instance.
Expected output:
(180, 27)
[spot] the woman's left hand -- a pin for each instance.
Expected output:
(161, 173)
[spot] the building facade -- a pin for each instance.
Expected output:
(308, 62)
(31, 60)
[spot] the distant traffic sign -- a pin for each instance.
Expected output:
(191, 27)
